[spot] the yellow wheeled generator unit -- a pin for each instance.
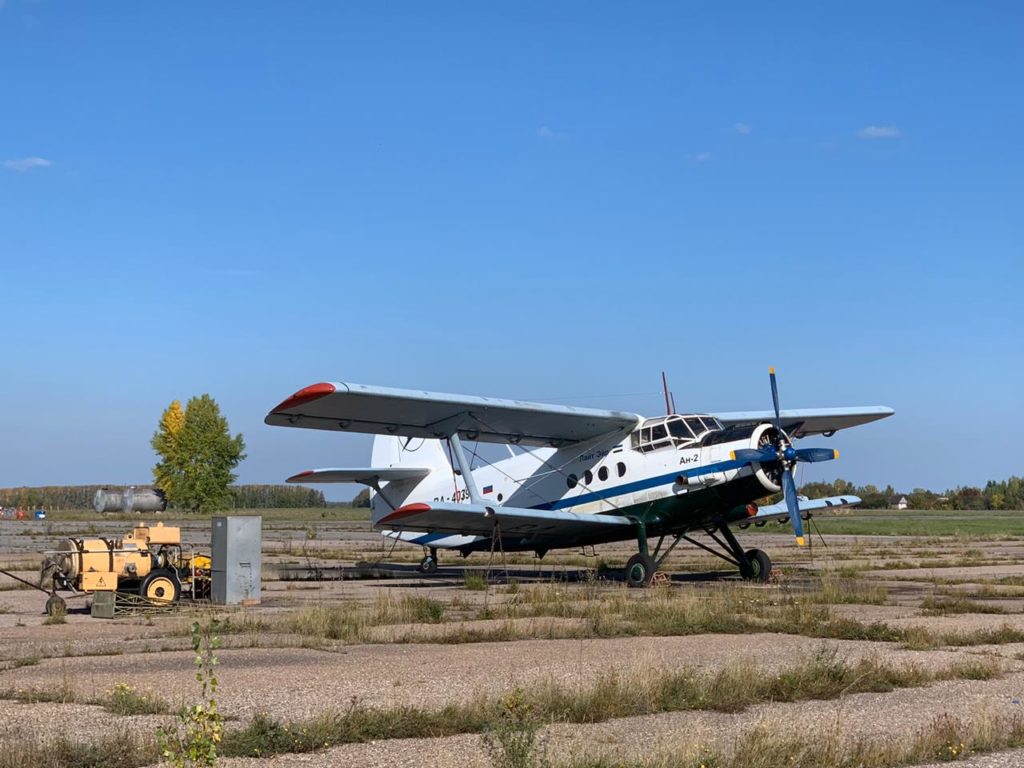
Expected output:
(145, 569)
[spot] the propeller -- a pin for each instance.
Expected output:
(783, 452)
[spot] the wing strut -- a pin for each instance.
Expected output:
(464, 468)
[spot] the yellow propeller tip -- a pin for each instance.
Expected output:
(732, 455)
(836, 454)
(799, 541)
(771, 369)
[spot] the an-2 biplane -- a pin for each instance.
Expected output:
(573, 477)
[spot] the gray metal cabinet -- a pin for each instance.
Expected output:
(236, 546)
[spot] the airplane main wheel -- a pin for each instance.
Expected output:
(760, 566)
(161, 587)
(639, 570)
(428, 564)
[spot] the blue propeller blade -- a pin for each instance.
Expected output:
(775, 399)
(793, 505)
(816, 454)
(759, 455)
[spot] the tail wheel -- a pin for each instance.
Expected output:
(760, 566)
(161, 587)
(639, 570)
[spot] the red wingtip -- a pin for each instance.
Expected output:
(306, 395)
(300, 475)
(408, 509)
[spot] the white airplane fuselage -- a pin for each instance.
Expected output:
(667, 482)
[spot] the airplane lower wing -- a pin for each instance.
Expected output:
(779, 511)
(802, 422)
(371, 476)
(434, 540)
(480, 520)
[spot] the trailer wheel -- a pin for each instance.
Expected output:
(161, 587)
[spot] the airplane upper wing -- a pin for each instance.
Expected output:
(810, 421)
(365, 475)
(479, 519)
(413, 413)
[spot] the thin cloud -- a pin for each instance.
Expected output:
(549, 134)
(26, 164)
(702, 157)
(742, 128)
(880, 132)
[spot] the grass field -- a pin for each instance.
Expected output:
(305, 514)
(856, 522)
(932, 522)
(427, 666)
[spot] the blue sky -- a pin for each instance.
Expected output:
(534, 200)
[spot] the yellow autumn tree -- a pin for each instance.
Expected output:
(165, 443)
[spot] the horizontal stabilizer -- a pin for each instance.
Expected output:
(366, 475)
(480, 520)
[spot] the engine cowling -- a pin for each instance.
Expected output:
(765, 435)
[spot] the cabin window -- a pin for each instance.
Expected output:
(621, 469)
(571, 481)
(602, 474)
(588, 477)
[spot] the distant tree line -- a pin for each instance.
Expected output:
(276, 496)
(1004, 494)
(81, 496)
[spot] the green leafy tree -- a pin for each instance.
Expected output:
(165, 443)
(197, 463)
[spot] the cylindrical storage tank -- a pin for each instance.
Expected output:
(146, 500)
(107, 501)
(130, 500)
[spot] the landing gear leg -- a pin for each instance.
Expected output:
(640, 568)
(429, 563)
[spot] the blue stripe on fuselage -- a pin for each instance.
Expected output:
(640, 485)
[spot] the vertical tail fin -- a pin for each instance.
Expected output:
(392, 451)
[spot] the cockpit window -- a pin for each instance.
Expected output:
(654, 434)
(668, 431)
(678, 428)
(694, 423)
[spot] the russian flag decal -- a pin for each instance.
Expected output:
(488, 489)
